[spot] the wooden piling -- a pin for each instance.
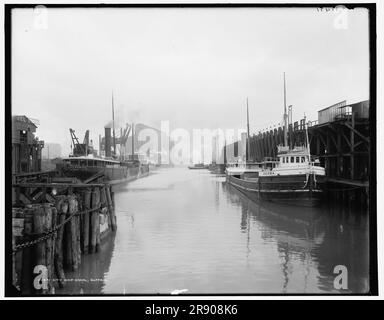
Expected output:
(106, 204)
(80, 208)
(85, 225)
(26, 281)
(50, 215)
(77, 251)
(94, 221)
(111, 208)
(78, 235)
(71, 255)
(17, 236)
(62, 209)
(14, 272)
(97, 212)
(40, 262)
(113, 198)
(105, 219)
(41, 219)
(103, 196)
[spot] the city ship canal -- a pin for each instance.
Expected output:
(189, 230)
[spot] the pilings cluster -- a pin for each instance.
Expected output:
(50, 238)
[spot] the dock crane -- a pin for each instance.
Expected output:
(122, 140)
(80, 149)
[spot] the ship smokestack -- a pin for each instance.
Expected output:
(108, 152)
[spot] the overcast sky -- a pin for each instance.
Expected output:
(191, 66)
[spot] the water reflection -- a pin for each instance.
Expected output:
(325, 237)
(90, 277)
(189, 229)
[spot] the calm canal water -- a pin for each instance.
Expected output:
(188, 229)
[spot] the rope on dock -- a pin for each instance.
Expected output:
(50, 233)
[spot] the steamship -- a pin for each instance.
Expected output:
(294, 177)
(88, 168)
(85, 165)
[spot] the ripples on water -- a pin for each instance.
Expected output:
(188, 229)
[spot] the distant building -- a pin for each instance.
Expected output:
(51, 151)
(26, 148)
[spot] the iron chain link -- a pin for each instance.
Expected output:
(51, 233)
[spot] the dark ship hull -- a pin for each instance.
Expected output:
(112, 171)
(296, 189)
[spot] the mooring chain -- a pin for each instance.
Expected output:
(30, 243)
(50, 233)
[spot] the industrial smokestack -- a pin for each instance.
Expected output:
(99, 144)
(108, 152)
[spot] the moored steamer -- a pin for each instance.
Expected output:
(294, 177)
(85, 165)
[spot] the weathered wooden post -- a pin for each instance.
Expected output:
(104, 204)
(97, 212)
(67, 241)
(103, 196)
(108, 206)
(80, 206)
(111, 208)
(17, 236)
(71, 235)
(39, 259)
(113, 198)
(42, 222)
(94, 225)
(87, 206)
(105, 219)
(14, 272)
(27, 255)
(50, 216)
(62, 208)
(78, 219)
(76, 240)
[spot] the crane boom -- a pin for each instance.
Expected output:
(80, 149)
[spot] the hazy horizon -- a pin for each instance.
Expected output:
(194, 67)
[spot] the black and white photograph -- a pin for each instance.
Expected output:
(183, 150)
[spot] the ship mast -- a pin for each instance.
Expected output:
(113, 127)
(307, 138)
(248, 150)
(133, 140)
(202, 152)
(285, 117)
